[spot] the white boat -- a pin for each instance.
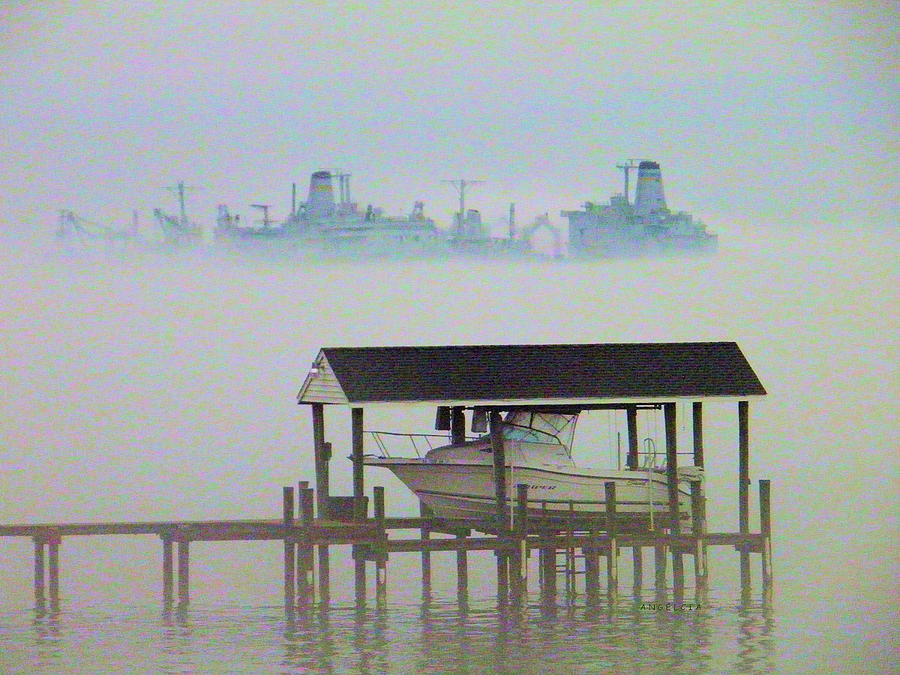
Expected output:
(457, 482)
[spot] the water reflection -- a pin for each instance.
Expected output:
(633, 633)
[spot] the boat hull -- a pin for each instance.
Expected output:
(466, 491)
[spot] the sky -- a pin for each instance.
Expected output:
(759, 113)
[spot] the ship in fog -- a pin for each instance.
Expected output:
(329, 223)
(645, 226)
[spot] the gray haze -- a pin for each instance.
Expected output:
(153, 386)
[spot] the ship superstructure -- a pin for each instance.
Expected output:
(620, 227)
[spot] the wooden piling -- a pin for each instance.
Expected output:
(322, 451)
(637, 554)
(698, 531)
(612, 555)
(697, 422)
(290, 548)
(519, 559)
(669, 412)
(659, 563)
(306, 582)
(39, 599)
(765, 528)
(425, 512)
(322, 456)
(592, 565)
(53, 571)
(462, 570)
(358, 465)
(631, 461)
(548, 566)
(743, 486)
(168, 576)
(184, 561)
(381, 555)
(499, 457)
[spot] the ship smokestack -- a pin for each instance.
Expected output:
(320, 203)
(649, 199)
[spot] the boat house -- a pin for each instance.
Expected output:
(473, 385)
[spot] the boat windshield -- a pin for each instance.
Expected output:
(540, 427)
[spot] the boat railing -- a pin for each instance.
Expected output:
(420, 443)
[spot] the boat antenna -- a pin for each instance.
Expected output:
(460, 184)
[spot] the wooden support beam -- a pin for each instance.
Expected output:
(519, 559)
(462, 570)
(765, 529)
(548, 566)
(612, 555)
(358, 466)
(381, 556)
(184, 563)
(637, 554)
(744, 485)
(499, 456)
(698, 530)
(290, 549)
(672, 462)
(669, 414)
(457, 425)
(425, 512)
(631, 461)
(168, 576)
(306, 582)
(53, 571)
(659, 563)
(697, 421)
(322, 455)
(39, 598)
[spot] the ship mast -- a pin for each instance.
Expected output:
(180, 189)
(626, 167)
(460, 185)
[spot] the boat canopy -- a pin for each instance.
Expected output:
(540, 427)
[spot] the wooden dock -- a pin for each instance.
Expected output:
(307, 583)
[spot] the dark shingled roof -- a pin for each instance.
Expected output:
(562, 371)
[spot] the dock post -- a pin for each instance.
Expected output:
(499, 457)
(359, 504)
(743, 487)
(592, 565)
(290, 565)
(322, 450)
(631, 461)
(380, 550)
(765, 528)
(659, 562)
(669, 413)
(39, 574)
(637, 554)
(698, 530)
(548, 567)
(462, 571)
(425, 512)
(612, 555)
(519, 558)
(184, 561)
(53, 570)
(168, 576)
(306, 582)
